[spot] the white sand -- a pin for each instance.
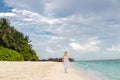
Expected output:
(38, 71)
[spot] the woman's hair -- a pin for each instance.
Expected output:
(65, 53)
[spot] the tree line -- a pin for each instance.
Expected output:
(12, 41)
(56, 59)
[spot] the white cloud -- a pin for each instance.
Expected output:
(77, 46)
(7, 14)
(29, 16)
(53, 8)
(55, 39)
(34, 6)
(114, 48)
(83, 7)
(90, 46)
(49, 50)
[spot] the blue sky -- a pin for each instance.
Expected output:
(3, 7)
(87, 29)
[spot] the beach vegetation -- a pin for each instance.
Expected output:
(9, 55)
(13, 39)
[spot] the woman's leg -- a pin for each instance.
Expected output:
(65, 70)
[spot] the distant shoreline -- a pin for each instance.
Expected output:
(56, 59)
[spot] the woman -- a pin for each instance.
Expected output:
(65, 61)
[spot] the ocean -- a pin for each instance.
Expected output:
(101, 69)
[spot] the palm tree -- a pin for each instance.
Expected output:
(4, 22)
(6, 37)
(13, 39)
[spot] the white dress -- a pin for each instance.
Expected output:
(66, 62)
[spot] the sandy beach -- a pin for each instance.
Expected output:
(39, 71)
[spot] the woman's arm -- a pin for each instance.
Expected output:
(62, 59)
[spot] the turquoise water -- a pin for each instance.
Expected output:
(104, 69)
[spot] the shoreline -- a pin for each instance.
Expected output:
(39, 71)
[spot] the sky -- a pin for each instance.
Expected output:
(87, 29)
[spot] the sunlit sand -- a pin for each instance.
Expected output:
(38, 71)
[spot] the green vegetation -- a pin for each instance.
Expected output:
(12, 39)
(10, 55)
